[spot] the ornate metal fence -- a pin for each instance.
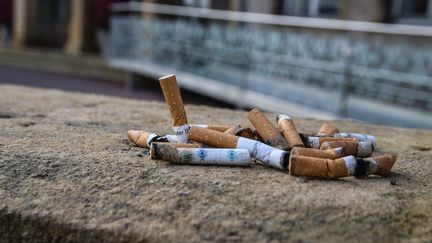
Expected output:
(367, 74)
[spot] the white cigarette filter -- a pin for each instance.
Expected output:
(358, 136)
(202, 156)
(268, 155)
(214, 156)
(144, 139)
(155, 146)
(174, 101)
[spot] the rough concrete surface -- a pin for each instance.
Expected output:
(68, 173)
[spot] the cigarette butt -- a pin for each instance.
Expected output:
(327, 129)
(232, 130)
(359, 136)
(358, 149)
(142, 138)
(316, 142)
(202, 156)
(246, 132)
(154, 153)
(270, 156)
(214, 156)
(381, 165)
(334, 153)
(139, 138)
(289, 131)
(174, 101)
(216, 127)
(267, 131)
(165, 152)
(213, 138)
(318, 167)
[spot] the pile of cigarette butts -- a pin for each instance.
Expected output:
(328, 155)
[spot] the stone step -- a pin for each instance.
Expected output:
(69, 174)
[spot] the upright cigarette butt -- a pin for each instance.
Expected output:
(266, 130)
(359, 149)
(154, 151)
(174, 101)
(334, 153)
(359, 136)
(319, 168)
(216, 127)
(327, 129)
(289, 131)
(270, 156)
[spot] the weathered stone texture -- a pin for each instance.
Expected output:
(68, 173)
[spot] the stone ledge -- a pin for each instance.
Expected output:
(68, 173)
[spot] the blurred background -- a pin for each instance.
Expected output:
(369, 60)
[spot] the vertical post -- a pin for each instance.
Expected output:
(75, 38)
(429, 9)
(313, 8)
(19, 24)
(346, 83)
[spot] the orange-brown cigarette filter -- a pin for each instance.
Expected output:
(320, 168)
(360, 149)
(139, 138)
(232, 130)
(327, 129)
(174, 101)
(216, 127)
(220, 128)
(267, 131)
(144, 139)
(383, 164)
(212, 138)
(155, 146)
(316, 142)
(246, 132)
(289, 131)
(334, 153)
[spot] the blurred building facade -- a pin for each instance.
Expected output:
(73, 25)
(337, 58)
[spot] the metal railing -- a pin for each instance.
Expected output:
(368, 71)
